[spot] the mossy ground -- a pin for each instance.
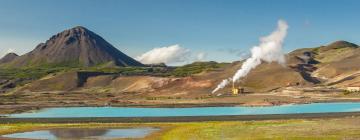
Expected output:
(317, 129)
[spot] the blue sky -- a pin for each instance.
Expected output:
(216, 27)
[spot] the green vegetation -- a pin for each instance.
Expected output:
(182, 71)
(196, 67)
(35, 72)
(315, 129)
(38, 72)
(284, 129)
(28, 73)
(21, 76)
(13, 77)
(120, 70)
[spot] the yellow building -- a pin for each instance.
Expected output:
(237, 91)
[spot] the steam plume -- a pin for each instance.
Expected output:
(269, 50)
(221, 85)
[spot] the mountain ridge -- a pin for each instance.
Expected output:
(77, 46)
(8, 57)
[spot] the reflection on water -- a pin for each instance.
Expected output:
(85, 133)
(77, 133)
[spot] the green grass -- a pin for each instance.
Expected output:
(181, 71)
(195, 68)
(23, 76)
(38, 72)
(28, 73)
(279, 130)
(123, 70)
(316, 129)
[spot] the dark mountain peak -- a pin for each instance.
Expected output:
(79, 28)
(76, 29)
(8, 57)
(73, 34)
(12, 54)
(77, 46)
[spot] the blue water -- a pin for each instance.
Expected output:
(196, 111)
(72, 133)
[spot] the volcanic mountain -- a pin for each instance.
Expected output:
(74, 47)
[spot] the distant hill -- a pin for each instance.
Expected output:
(74, 47)
(8, 57)
(336, 65)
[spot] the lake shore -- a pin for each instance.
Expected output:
(23, 104)
(12, 109)
(181, 118)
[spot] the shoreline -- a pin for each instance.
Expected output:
(22, 109)
(193, 105)
(181, 118)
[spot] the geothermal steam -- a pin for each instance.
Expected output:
(269, 50)
(222, 84)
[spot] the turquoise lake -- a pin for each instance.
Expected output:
(195, 111)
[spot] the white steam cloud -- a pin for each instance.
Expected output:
(222, 84)
(269, 50)
(170, 54)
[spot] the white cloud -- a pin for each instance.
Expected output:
(168, 55)
(201, 56)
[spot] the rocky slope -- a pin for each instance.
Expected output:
(8, 57)
(336, 64)
(74, 47)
